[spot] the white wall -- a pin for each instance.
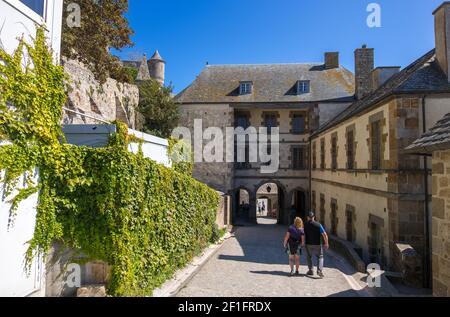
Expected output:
(17, 20)
(13, 245)
(154, 148)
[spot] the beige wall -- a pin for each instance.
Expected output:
(393, 194)
(441, 223)
(364, 204)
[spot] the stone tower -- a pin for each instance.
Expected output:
(157, 68)
(364, 65)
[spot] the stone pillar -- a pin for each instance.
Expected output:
(252, 212)
(441, 223)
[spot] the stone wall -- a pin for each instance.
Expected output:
(110, 101)
(441, 223)
(215, 175)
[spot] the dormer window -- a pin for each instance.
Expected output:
(246, 88)
(303, 87)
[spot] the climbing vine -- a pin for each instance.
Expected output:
(144, 219)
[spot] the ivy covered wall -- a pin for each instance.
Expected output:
(143, 219)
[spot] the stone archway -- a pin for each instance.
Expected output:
(282, 214)
(242, 204)
(299, 200)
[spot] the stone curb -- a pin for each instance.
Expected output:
(171, 287)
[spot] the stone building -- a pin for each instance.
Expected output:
(297, 98)
(364, 187)
(436, 143)
(154, 68)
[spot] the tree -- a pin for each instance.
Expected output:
(158, 108)
(103, 26)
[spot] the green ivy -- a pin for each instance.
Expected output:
(181, 156)
(144, 219)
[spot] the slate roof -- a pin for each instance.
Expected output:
(438, 138)
(422, 76)
(271, 83)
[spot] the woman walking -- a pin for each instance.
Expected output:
(293, 242)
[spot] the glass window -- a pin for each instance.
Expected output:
(35, 5)
(298, 124)
(298, 159)
(376, 145)
(246, 88)
(322, 153)
(350, 149)
(270, 121)
(303, 87)
(334, 152)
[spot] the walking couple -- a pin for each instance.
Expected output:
(313, 237)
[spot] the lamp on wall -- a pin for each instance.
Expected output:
(269, 189)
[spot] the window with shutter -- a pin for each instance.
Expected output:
(334, 152)
(350, 149)
(322, 153)
(298, 158)
(376, 145)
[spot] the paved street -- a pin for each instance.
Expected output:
(253, 264)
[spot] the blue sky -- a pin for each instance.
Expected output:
(189, 33)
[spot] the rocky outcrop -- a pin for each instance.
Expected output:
(89, 100)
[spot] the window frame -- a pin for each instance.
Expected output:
(303, 87)
(302, 127)
(334, 152)
(314, 155)
(272, 116)
(245, 88)
(350, 149)
(376, 144)
(28, 12)
(322, 154)
(299, 153)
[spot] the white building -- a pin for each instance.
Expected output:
(17, 19)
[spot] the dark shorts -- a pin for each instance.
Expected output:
(294, 248)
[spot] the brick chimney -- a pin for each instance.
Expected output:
(331, 60)
(442, 34)
(364, 65)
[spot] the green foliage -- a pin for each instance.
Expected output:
(142, 218)
(34, 90)
(131, 73)
(180, 153)
(158, 108)
(103, 26)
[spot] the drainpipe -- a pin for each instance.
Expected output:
(427, 247)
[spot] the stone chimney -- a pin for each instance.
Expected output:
(157, 68)
(380, 75)
(364, 65)
(442, 34)
(331, 60)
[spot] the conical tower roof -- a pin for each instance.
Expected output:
(157, 57)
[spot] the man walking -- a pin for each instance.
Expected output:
(314, 236)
